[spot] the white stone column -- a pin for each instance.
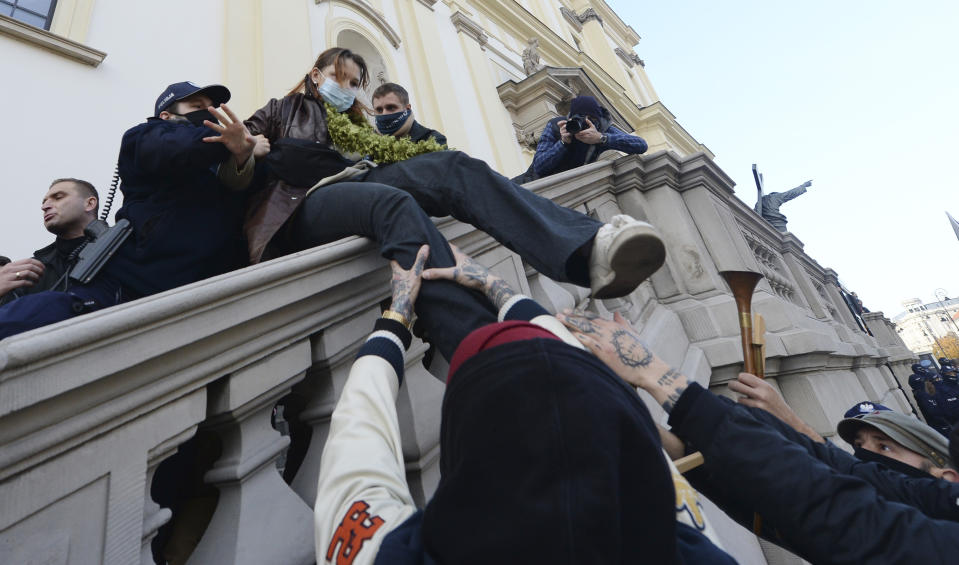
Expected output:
(333, 353)
(258, 518)
(154, 516)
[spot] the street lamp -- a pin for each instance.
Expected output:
(940, 295)
(925, 321)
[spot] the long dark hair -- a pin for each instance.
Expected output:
(336, 56)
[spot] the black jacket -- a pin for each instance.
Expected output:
(419, 132)
(824, 506)
(186, 225)
(55, 259)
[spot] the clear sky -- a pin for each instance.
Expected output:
(859, 96)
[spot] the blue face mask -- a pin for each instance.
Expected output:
(388, 124)
(338, 97)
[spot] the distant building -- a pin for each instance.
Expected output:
(920, 325)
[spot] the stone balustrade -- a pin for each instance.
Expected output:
(90, 408)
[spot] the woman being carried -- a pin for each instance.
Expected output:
(392, 203)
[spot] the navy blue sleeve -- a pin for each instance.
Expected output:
(935, 498)
(821, 514)
(524, 309)
(385, 342)
(549, 152)
(627, 143)
(172, 150)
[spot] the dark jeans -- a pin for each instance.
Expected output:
(392, 205)
(49, 307)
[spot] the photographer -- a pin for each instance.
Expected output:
(573, 141)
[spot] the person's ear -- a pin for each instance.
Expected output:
(946, 474)
(91, 204)
(409, 106)
(316, 75)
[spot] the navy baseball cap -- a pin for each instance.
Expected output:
(863, 408)
(180, 90)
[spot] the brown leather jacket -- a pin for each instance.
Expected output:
(296, 116)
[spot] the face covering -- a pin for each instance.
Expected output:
(196, 117)
(388, 124)
(909, 470)
(338, 97)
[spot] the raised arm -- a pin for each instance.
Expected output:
(510, 304)
(362, 493)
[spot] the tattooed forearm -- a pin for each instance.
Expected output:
(672, 384)
(671, 400)
(583, 322)
(668, 378)
(630, 349)
(498, 291)
(402, 294)
(471, 274)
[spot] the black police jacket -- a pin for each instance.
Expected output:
(824, 506)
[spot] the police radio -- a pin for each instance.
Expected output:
(102, 240)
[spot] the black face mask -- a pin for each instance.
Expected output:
(196, 117)
(898, 466)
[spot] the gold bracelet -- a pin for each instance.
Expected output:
(391, 315)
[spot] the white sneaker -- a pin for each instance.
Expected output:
(625, 253)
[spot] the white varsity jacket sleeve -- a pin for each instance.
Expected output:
(524, 308)
(362, 493)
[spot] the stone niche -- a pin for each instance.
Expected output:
(545, 95)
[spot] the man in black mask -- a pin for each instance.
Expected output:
(872, 429)
(180, 171)
(394, 115)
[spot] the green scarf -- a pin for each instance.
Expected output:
(351, 133)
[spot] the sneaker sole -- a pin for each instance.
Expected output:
(635, 255)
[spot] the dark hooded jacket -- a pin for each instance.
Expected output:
(811, 498)
(553, 156)
(186, 225)
(565, 456)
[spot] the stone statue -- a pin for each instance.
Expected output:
(531, 62)
(767, 205)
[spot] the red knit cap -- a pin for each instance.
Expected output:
(492, 335)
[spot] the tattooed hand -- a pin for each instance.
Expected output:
(406, 284)
(617, 344)
(471, 274)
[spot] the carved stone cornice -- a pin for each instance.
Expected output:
(572, 18)
(428, 3)
(631, 59)
(370, 13)
(464, 24)
(588, 15)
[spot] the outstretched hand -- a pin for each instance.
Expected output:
(406, 283)
(757, 393)
(617, 344)
(469, 273)
(233, 134)
(614, 341)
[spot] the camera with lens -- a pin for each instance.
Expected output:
(576, 123)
